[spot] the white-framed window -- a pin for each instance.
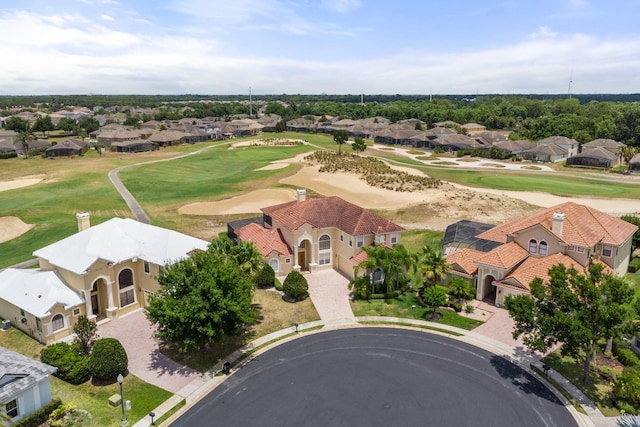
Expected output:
(341, 236)
(275, 264)
(394, 238)
(38, 324)
(580, 249)
(126, 287)
(324, 258)
(147, 267)
(359, 241)
(533, 246)
(571, 248)
(324, 242)
(607, 250)
(543, 248)
(287, 260)
(350, 241)
(377, 276)
(301, 245)
(11, 408)
(380, 239)
(57, 322)
(76, 312)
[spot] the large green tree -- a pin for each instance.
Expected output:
(576, 309)
(201, 299)
(67, 124)
(43, 124)
(340, 137)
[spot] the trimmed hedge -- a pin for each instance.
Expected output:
(266, 277)
(72, 366)
(627, 357)
(634, 265)
(108, 359)
(295, 286)
(277, 284)
(39, 417)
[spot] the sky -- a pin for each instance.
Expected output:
(319, 46)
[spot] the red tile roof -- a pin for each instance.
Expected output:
(583, 226)
(264, 239)
(532, 267)
(464, 260)
(326, 212)
(505, 256)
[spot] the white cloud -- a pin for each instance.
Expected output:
(106, 17)
(543, 32)
(341, 5)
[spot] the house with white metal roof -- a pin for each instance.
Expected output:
(103, 272)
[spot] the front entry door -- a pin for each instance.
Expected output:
(301, 259)
(94, 305)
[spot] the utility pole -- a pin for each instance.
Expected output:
(250, 104)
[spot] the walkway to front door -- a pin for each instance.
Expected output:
(329, 291)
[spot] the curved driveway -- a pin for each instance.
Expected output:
(378, 377)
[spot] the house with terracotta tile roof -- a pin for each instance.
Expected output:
(317, 233)
(571, 234)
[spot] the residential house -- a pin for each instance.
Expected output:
(102, 271)
(69, 147)
(24, 384)
(599, 153)
(473, 129)
(318, 233)
(571, 234)
(515, 147)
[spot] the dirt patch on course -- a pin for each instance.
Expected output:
(12, 227)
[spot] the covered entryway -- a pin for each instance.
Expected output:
(99, 298)
(304, 253)
(489, 290)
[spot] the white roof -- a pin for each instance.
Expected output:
(36, 291)
(119, 240)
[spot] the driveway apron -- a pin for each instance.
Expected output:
(329, 292)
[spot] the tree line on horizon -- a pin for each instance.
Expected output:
(533, 117)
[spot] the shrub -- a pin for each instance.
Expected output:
(295, 286)
(361, 287)
(627, 357)
(277, 284)
(72, 366)
(266, 277)
(457, 307)
(625, 406)
(634, 265)
(40, 416)
(108, 359)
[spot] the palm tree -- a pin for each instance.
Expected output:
(248, 257)
(393, 263)
(25, 138)
(430, 265)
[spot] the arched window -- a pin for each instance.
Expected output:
(273, 263)
(542, 248)
(126, 288)
(57, 322)
(324, 243)
(377, 276)
(533, 246)
(324, 250)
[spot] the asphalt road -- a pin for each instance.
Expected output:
(378, 377)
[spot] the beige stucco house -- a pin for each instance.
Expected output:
(518, 251)
(317, 233)
(104, 272)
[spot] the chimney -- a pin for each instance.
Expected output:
(558, 222)
(83, 221)
(302, 194)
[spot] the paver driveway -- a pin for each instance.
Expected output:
(329, 291)
(135, 333)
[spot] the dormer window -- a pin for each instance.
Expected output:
(533, 246)
(543, 248)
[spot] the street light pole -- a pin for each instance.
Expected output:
(124, 417)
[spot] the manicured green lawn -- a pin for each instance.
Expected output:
(414, 240)
(144, 397)
(597, 390)
(403, 307)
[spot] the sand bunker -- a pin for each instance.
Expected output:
(18, 183)
(245, 203)
(12, 227)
